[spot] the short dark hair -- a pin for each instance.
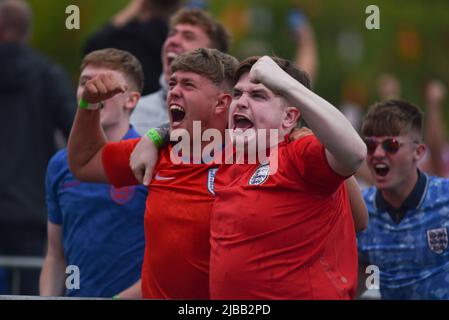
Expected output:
(392, 118)
(118, 60)
(213, 64)
(286, 65)
(217, 33)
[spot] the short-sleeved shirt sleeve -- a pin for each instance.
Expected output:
(55, 166)
(115, 159)
(310, 163)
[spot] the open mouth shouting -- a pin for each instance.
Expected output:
(170, 57)
(381, 169)
(241, 122)
(177, 114)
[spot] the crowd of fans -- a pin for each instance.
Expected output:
(98, 226)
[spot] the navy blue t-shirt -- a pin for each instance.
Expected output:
(103, 231)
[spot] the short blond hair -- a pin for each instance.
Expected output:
(213, 64)
(118, 60)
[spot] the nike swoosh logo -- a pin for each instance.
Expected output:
(159, 178)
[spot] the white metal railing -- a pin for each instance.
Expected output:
(17, 263)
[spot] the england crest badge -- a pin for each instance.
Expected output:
(437, 240)
(260, 175)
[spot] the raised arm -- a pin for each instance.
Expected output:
(87, 138)
(306, 51)
(134, 10)
(434, 128)
(345, 150)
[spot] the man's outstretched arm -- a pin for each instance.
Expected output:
(87, 138)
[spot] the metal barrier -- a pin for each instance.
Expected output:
(16, 264)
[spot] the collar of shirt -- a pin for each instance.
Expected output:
(412, 202)
(131, 133)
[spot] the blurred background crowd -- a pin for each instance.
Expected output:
(412, 42)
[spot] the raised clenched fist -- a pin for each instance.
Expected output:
(102, 87)
(267, 72)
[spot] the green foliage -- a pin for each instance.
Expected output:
(65, 46)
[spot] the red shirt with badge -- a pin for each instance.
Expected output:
(288, 235)
(177, 223)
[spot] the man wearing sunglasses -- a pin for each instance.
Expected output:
(407, 234)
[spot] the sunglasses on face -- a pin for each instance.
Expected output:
(390, 145)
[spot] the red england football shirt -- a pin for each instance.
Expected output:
(289, 235)
(177, 223)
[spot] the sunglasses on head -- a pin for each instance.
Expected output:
(390, 145)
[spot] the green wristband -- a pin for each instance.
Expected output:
(83, 104)
(89, 106)
(155, 137)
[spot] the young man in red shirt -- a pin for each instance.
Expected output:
(289, 234)
(177, 229)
